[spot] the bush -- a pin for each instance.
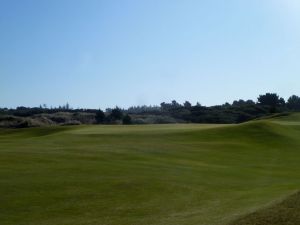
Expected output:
(127, 119)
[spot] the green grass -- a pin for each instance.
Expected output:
(286, 212)
(152, 174)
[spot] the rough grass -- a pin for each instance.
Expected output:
(286, 212)
(148, 174)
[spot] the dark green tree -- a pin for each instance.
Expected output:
(269, 99)
(175, 104)
(187, 104)
(116, 114)
(100, 116)
(293, 103)
(272, 100)
(127, 119)
(281, 102)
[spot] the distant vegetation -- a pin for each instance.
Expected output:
(174, 112)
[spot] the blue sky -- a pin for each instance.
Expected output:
(106, 53)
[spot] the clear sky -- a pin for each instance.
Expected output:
(106, 53)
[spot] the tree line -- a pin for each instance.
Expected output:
(236, 112)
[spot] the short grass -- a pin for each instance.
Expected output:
(152, 174)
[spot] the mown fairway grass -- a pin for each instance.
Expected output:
(140, 175)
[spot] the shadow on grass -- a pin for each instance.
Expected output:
(286, 212)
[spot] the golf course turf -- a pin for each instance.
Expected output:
(177, 174)
(286, 212)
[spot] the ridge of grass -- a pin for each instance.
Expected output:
(286, 212)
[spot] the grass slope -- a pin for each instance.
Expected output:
(153, 174)
(286, 212)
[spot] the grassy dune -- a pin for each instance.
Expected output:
(152, 174)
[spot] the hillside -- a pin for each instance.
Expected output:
(286, 212)
(148, 174)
